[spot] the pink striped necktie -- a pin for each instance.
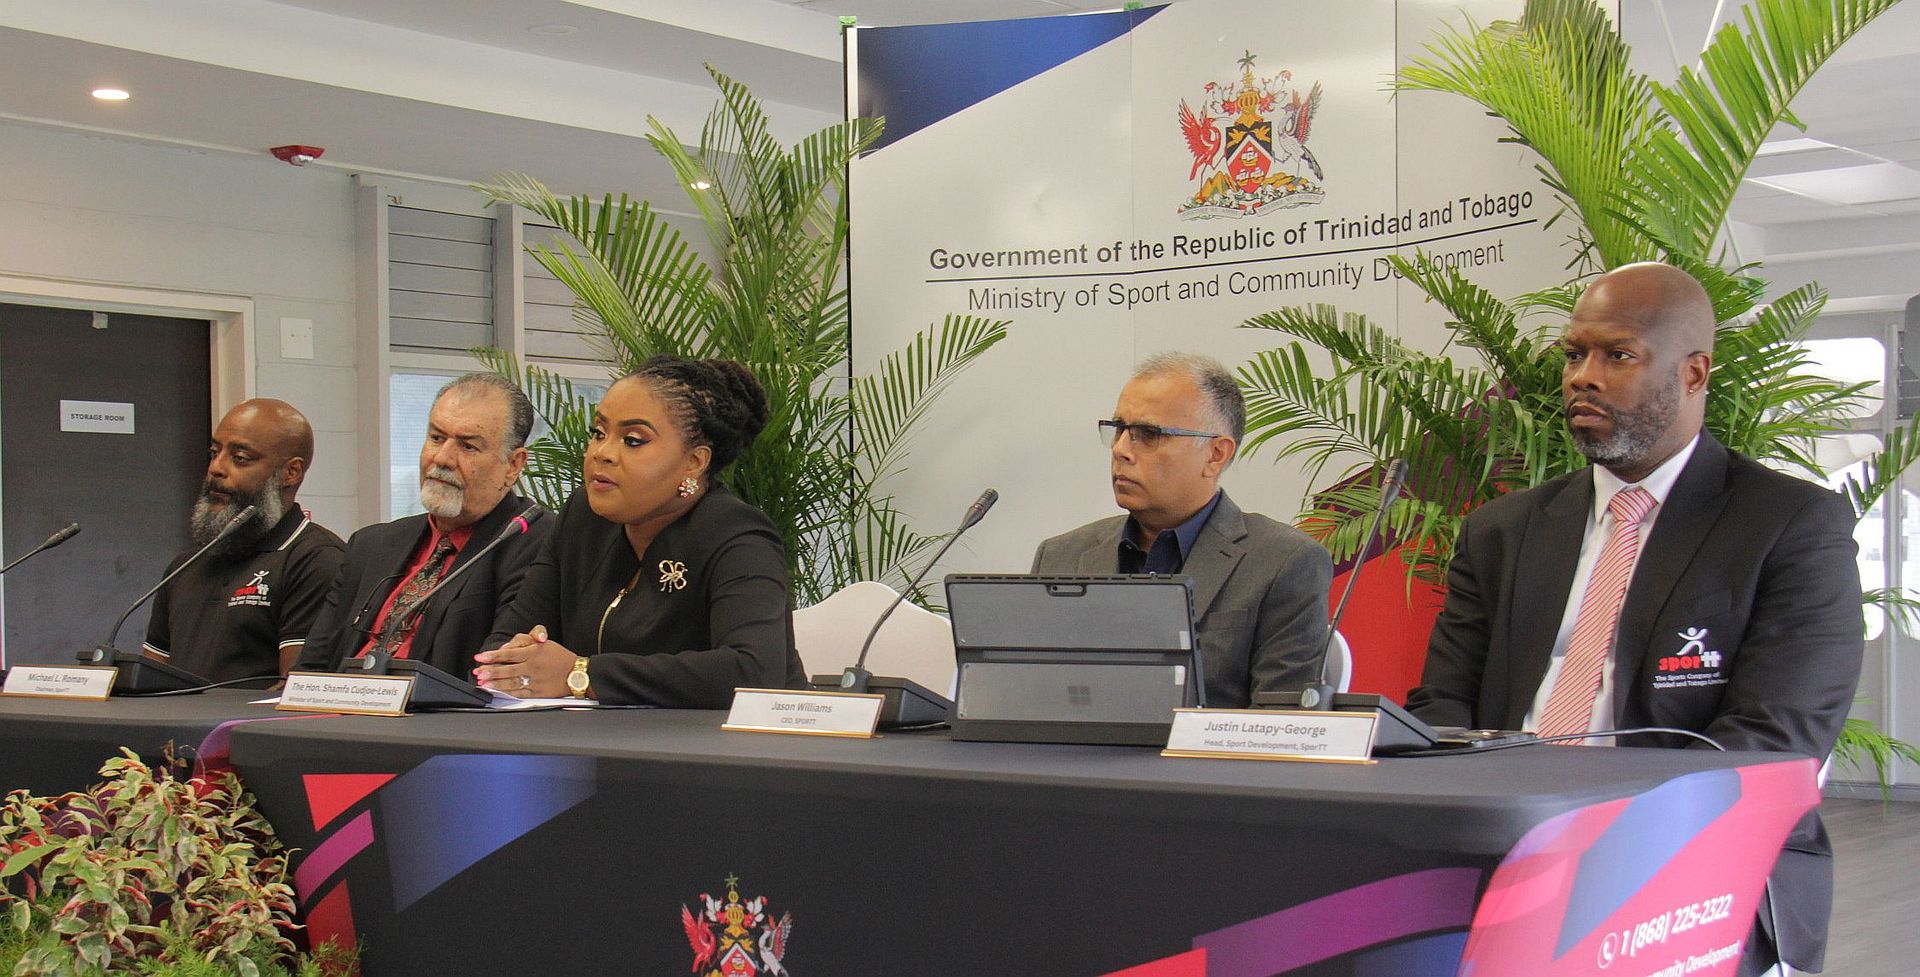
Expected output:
(1570, 704)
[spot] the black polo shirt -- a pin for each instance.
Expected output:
(228, 619)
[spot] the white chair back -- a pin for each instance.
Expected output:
(1340, 664)
(914, 644)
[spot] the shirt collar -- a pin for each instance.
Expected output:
(459, 536)
(283, 532)
(1183, 534)
(1658, 482)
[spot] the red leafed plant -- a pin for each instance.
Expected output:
(144, 873)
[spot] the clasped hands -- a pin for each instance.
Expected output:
(528, 667)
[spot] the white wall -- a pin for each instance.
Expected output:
(97, 209)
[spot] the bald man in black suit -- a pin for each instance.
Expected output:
(1741, 618)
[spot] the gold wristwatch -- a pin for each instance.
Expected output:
(579, 684)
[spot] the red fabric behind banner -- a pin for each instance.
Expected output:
(1386, 626)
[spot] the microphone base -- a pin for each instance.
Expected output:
(435, 689)
(1317, 696)
(141, 675)
(908, 703)
(1396, 731)
(855, 679)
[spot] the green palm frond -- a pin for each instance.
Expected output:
(1861, 744)
(1685, 176)
(1882, 472)
(1480, 320)
(1378, 398)
(1901, 607)
(634, 271)
(776, 301)
(1561, 80)
(893, 401)
(1640, 171)
(1764, 398)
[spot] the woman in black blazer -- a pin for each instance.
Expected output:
(658, 586)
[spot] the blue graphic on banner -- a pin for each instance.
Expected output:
(916, 76)
(1438, 954)
(450, 812)
(1639, 843)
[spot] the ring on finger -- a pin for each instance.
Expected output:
(525, 682)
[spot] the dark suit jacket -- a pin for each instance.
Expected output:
(1762, 562)
(709, 609)
(1259, 596)
(456, 621)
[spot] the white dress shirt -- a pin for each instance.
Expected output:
(1606, 485)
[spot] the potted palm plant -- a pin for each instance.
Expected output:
(776, 300)
(1640, 170)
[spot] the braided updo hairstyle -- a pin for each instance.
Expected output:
(718, 403)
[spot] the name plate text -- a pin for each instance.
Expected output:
(1272, 734)
(359, 695)
(93, 682)
(806, 713)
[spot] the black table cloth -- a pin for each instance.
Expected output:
(653, 842)
(51, 746)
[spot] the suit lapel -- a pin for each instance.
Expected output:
(1100, 549)
(1543, 578)
(1689, 512)
(1216, 552)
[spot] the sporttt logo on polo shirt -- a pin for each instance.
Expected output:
(253, 593)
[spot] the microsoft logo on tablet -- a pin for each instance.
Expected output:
(1248, 138)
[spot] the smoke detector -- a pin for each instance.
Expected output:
(297, 155)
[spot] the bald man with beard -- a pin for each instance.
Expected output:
(245, 609)
(1672, 583)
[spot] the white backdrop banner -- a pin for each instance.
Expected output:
(1122, 183)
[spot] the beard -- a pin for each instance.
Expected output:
(1636, 430)
(443, 493)
(210, 517)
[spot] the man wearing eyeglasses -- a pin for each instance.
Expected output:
(1259, 586)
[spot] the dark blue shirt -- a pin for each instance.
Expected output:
(1168, 554)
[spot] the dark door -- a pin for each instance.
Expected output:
(130, 493)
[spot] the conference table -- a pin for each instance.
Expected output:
(51, 746)
(653, 842)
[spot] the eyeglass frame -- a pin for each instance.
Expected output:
(1111, 429)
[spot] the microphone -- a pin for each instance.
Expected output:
(1319, 695)
(72, 530)
(142, 674)
(376, 661)
(856, 678)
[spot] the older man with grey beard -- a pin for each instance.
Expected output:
(474, 451)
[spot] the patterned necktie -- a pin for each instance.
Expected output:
(417, 586)
(1570, 704)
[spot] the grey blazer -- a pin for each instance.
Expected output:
(1259, 596)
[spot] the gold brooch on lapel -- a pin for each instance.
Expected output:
(673, 575)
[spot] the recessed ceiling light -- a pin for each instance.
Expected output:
(701, 185)
(553, 30)
(1795, 145)
(1855, 185)
(111, 94)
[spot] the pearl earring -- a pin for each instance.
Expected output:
(688, 486)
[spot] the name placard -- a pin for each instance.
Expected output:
(854, 714)
(1272, 734)
(92, 682)
(357, 695)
